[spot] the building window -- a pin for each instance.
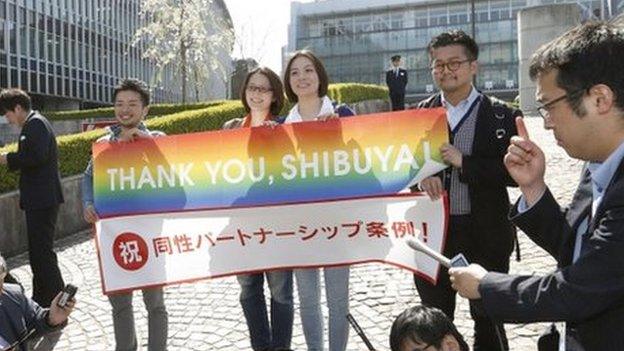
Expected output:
(34, 86)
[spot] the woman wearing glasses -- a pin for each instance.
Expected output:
(263, 97)
(306, 85)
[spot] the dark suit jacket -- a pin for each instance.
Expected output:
(37, 160)
(487, 177)
(19, 314)
(395, 84)
(589, 293)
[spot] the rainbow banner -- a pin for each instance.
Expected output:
(369, 155)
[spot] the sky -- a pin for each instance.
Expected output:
(261, 29)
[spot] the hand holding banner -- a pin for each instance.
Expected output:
(195, 206)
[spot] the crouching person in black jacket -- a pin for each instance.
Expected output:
(22, 318)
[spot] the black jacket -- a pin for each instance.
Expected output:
(589, 293)
(486, 175)
(37, 160)
(395, 84)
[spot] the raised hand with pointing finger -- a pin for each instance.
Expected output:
(526, 164)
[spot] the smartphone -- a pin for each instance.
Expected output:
(459, 261)
(67, 295)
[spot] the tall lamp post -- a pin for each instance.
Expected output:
(472, 19)
(473, 32)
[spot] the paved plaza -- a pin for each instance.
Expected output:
(207, 316)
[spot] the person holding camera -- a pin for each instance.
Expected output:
(23, 317)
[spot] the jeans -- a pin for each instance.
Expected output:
(123, 320)
(337, 293)
(278, 334)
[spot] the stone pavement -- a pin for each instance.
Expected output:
(207, 316)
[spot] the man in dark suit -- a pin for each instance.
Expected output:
(396, 80)
(480, 129)
(40, 189)
(22, 316)
(581, 98)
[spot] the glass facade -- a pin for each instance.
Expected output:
(356, 45)
(74, 49)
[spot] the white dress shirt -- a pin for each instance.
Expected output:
(327, 108)
(455, 113)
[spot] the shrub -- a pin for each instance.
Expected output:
(75, 149)
(349, 93)
(107, 112)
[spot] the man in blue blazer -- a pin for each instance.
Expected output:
(36, 159)
(19, 315)
(581, 98)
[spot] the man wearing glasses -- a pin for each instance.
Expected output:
(476, 181)
(23, 317)
(579, 80)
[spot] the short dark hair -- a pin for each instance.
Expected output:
(455, 37)
(135, 85)
(584, 56)
(320, 71)
(423, 324)
(276, 87)
(11, 97)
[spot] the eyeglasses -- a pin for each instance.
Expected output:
(544, 110)
(256, 89)
(451, 66)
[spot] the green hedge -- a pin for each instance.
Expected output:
(341, 92)
(107, 112)
(349, 93)
(74, 150)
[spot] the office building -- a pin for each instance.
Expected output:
(356, 38)
(69, 54)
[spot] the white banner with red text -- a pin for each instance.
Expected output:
(151, 250)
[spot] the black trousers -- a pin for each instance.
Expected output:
(47, 279)
(462, 238)
(398, 101)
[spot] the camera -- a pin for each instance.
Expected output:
(67, 295)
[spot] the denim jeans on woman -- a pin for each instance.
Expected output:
(337, 293)
(278, 334)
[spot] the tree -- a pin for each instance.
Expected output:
(186, 36)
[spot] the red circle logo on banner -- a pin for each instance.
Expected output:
(130, 251)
